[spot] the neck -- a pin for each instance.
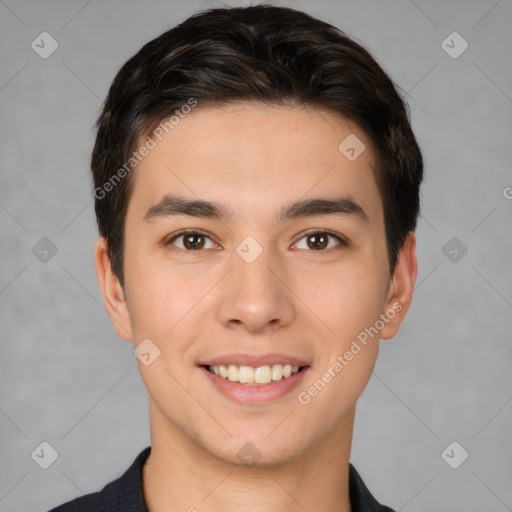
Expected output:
(180, 475)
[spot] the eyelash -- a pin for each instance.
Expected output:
(342, 240)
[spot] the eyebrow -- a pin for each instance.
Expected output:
(175, 205)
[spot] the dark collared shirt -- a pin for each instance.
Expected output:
(125, 493)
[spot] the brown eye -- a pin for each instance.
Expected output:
(191, 241)
(320, 240)
(317, 241)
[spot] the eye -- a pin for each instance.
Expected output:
(191, 241)
(320, 240)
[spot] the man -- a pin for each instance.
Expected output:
(257, 188)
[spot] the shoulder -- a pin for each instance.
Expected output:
(96, 501)
(123, 494)
(361, 499)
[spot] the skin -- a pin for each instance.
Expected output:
(293, 299)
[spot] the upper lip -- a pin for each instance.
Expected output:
(254, 360)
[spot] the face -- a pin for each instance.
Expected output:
(252, 241)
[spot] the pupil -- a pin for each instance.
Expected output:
(194, 241)
(320, 243)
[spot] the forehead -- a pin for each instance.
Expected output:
(254, 154)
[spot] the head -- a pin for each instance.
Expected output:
(244, 113)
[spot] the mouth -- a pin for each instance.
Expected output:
(255, 376)
(255, 381)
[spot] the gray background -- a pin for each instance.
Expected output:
(68, 380)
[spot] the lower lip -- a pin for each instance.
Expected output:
(257, 394)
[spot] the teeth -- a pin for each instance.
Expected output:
(245, 374)
(249, 375)
(277, 372)
(263, 375)
(233, 372)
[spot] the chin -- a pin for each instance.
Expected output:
(256, 451)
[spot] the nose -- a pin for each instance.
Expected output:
(255, 296)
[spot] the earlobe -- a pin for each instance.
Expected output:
(401, 288)
(112, 291)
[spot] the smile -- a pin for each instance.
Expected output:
(253, 376)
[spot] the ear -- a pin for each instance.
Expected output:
(112, 291)
(401, 288)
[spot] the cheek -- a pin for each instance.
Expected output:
(350, 382)
(346, 301)
(157, 294)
